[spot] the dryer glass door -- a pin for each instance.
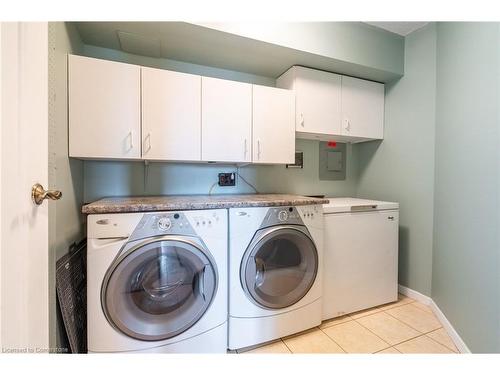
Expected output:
(159, 289)
(279, 267)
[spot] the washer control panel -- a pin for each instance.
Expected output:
(194, 223)
(167, 222)
(155, 224)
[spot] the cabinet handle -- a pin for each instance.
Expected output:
(258, 149)
(364, 207)
(302, 119)
(347, 125)
(246, 149)
(148, 138)
(131, 141)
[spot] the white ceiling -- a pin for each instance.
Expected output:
(401, 28)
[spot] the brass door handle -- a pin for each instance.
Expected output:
(38, 194)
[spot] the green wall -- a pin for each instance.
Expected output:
(466, 262)
(401, 167)
(440, 159)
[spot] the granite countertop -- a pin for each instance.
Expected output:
(195, 202)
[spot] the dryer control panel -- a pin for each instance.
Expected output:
(281, 215)
(312, 215)
(310, 212)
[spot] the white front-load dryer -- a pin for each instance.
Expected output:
(275, 270)
(157, 282)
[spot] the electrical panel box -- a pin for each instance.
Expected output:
(332, 161)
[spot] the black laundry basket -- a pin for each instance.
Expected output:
(71, 285)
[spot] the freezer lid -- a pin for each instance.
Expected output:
(357, 205)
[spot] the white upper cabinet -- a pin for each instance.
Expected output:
(104, 109)
(273, 125)
(362, 108)
(171, 115)
(226, 118)
(336, 107)
(318, 99)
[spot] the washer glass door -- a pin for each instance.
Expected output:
(279, 267)
(159, 289)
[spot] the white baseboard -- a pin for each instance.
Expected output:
(422, 298)
(457, 340)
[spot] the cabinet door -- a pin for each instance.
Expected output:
(226, 118)
(273, 125)
(171, 115)
(104, 109)
(361, 256)
(362, 108)
(318, 101)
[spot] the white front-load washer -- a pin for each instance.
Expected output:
(157, 282)
(275, 270)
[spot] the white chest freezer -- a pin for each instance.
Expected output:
(360, 255)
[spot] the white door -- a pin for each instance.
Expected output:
(362, 108)
(273, 125)
(104, 109)
(226, 119)
(361, 261)
(318, 101)
(171, 115)
(24, 254)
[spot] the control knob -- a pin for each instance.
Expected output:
(164, 223)
(283, 216)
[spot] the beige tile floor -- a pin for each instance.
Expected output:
(405, 326)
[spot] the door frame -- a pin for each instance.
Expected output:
(24, 248)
